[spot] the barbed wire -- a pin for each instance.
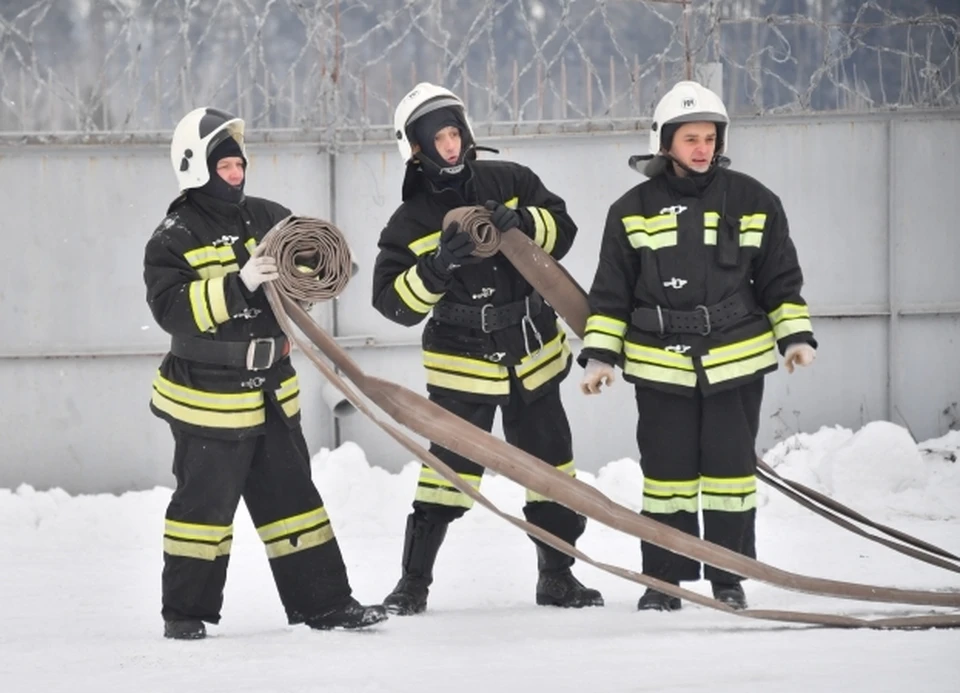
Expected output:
(135, 66)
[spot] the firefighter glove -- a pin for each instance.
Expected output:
(454, 250)
(258, 270)
(596, 374)
(503, 217)
(799, 354)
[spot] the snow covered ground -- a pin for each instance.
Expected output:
(80, 578)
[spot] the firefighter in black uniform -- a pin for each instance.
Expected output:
(698, 286)
(491, 341)
(230, 394)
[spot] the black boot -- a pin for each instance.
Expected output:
(557, 586)
(351, 615)
(654, 600)
(190, 629)
(731, 594)
(421, 543)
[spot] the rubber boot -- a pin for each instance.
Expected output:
(654, 600)
(421, 544)
(350, 615)
(731, 594)
(556, 585)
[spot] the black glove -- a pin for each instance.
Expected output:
(454, 250)
(503, 217)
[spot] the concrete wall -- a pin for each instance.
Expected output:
(873, 208)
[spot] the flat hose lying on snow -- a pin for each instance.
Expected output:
(296, 237)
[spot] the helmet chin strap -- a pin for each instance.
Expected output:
(443, 171)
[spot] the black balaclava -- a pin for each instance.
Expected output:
(422, 132)
(217, 187)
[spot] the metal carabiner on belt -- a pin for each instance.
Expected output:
(526, 322)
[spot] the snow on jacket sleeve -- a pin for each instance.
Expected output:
(611, 295)
(406, 285)
(777, 280)
(182, 301)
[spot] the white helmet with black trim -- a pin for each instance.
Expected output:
(689, 102)
(422, 99)
(196, 135)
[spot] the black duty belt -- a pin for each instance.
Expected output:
(488, 318)
(256, 355)
(702, 320)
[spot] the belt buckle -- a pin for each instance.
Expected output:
(254, 351)
(483, 318)
(706, 320)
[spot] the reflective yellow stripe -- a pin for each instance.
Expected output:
(740, 485)
(539, 229)
(192, 549)
(729, 504)
(293, 525)
(709, 236)
(208, 400)
(711, 220)
(433, 488)
(250, 244)
(414, 293)
(198, 305)
(568, 468)
(288, 387)
(208, 255)
(218, 300)
(550, 350)
(307, 540)
(463, 364)
(209, 409)
(669, 506)
(658, 365)
(668, 497)
(664, 239)
(661, 357)
(465, 374)
(607, 325)
(465, 383)
(542, 368)
(291, 406)
(546, 228)
(739, 369)
(656, 487)
(739, 350)
(430, 477)
(603, 332)
(512, 203)
(790, 318)
(206, 418)
(753, 222)
(595, 340)
(426, 244)
(789, 327)
(450, 497)
(661, 222)
(196, 532)
(659, 374)
(214, 271)
(651, 232)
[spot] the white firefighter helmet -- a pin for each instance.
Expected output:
(423, 98)
(196, 135)
(690, 102)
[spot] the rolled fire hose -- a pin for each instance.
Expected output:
(291, 242)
